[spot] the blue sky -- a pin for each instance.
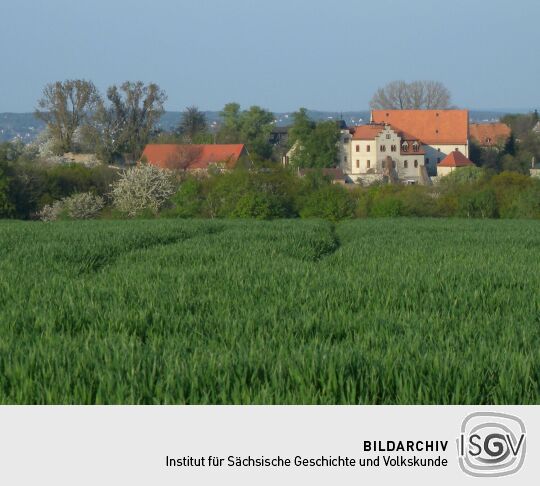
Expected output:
(280, 54)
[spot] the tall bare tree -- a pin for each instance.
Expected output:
(418, 95)
(124, 123)
(65, 107)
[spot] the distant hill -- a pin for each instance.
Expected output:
(26, 127)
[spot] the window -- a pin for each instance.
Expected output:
(405, 164)
(438, 159)
(415, 147)
(427, 161)
(368, 164)
(344, 158)
(415, 164)
(404, 146)
(358, 148)
(383, 164)
(345, 140)
(393, 148)
(383, 148)
(368, 148)
(357, 164)
(387, 136)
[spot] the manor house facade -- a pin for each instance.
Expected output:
(403, 145)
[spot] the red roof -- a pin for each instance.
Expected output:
(455, 159)
(367, 132)
(430, 126)
(489, 134)
(190, 157)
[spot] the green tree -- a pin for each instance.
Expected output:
(193, 125)
(314, 145)
(229, 131)
(301, 128)
(251, 127)
(510, 145)
(256, 125)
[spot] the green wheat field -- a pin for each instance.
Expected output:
(381, 311)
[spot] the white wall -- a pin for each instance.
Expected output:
(437, 153)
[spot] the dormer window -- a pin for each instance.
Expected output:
(404, 146)
(415, 147)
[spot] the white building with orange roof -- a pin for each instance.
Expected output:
(452, 162)
(411, 142)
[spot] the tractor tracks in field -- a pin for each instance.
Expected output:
(94, 264)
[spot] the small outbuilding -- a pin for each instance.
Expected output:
(455, 160)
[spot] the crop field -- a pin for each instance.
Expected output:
(380, 311)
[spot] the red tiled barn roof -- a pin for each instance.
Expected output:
(489, 134)
(170, 156)
(431, 126)
(455, 159)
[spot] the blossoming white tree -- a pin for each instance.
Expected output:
(84, 205)
(142, 188)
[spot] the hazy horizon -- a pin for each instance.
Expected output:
(314, 53)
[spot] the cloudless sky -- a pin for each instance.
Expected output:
(280, 54)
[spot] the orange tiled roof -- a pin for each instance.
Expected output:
(489, 134)
(430, 126)
(455, 159)
(170, 156)
(367, 132)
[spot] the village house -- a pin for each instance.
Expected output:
(403, 145)
(195, 158)
(452, 162)
(489, 135)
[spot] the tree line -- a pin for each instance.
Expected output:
(72, 191)
(117, 126)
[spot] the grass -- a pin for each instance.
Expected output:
(293, 312)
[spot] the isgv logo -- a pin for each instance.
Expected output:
(491, 444)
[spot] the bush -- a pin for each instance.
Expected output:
(78, 206)
(331, 202)
(188, 200)
(507, 187)
(51, 212)
(83, 206)
(142, 188)
(263, 194)
(6, 207)
(527, 203)
(481, 204)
